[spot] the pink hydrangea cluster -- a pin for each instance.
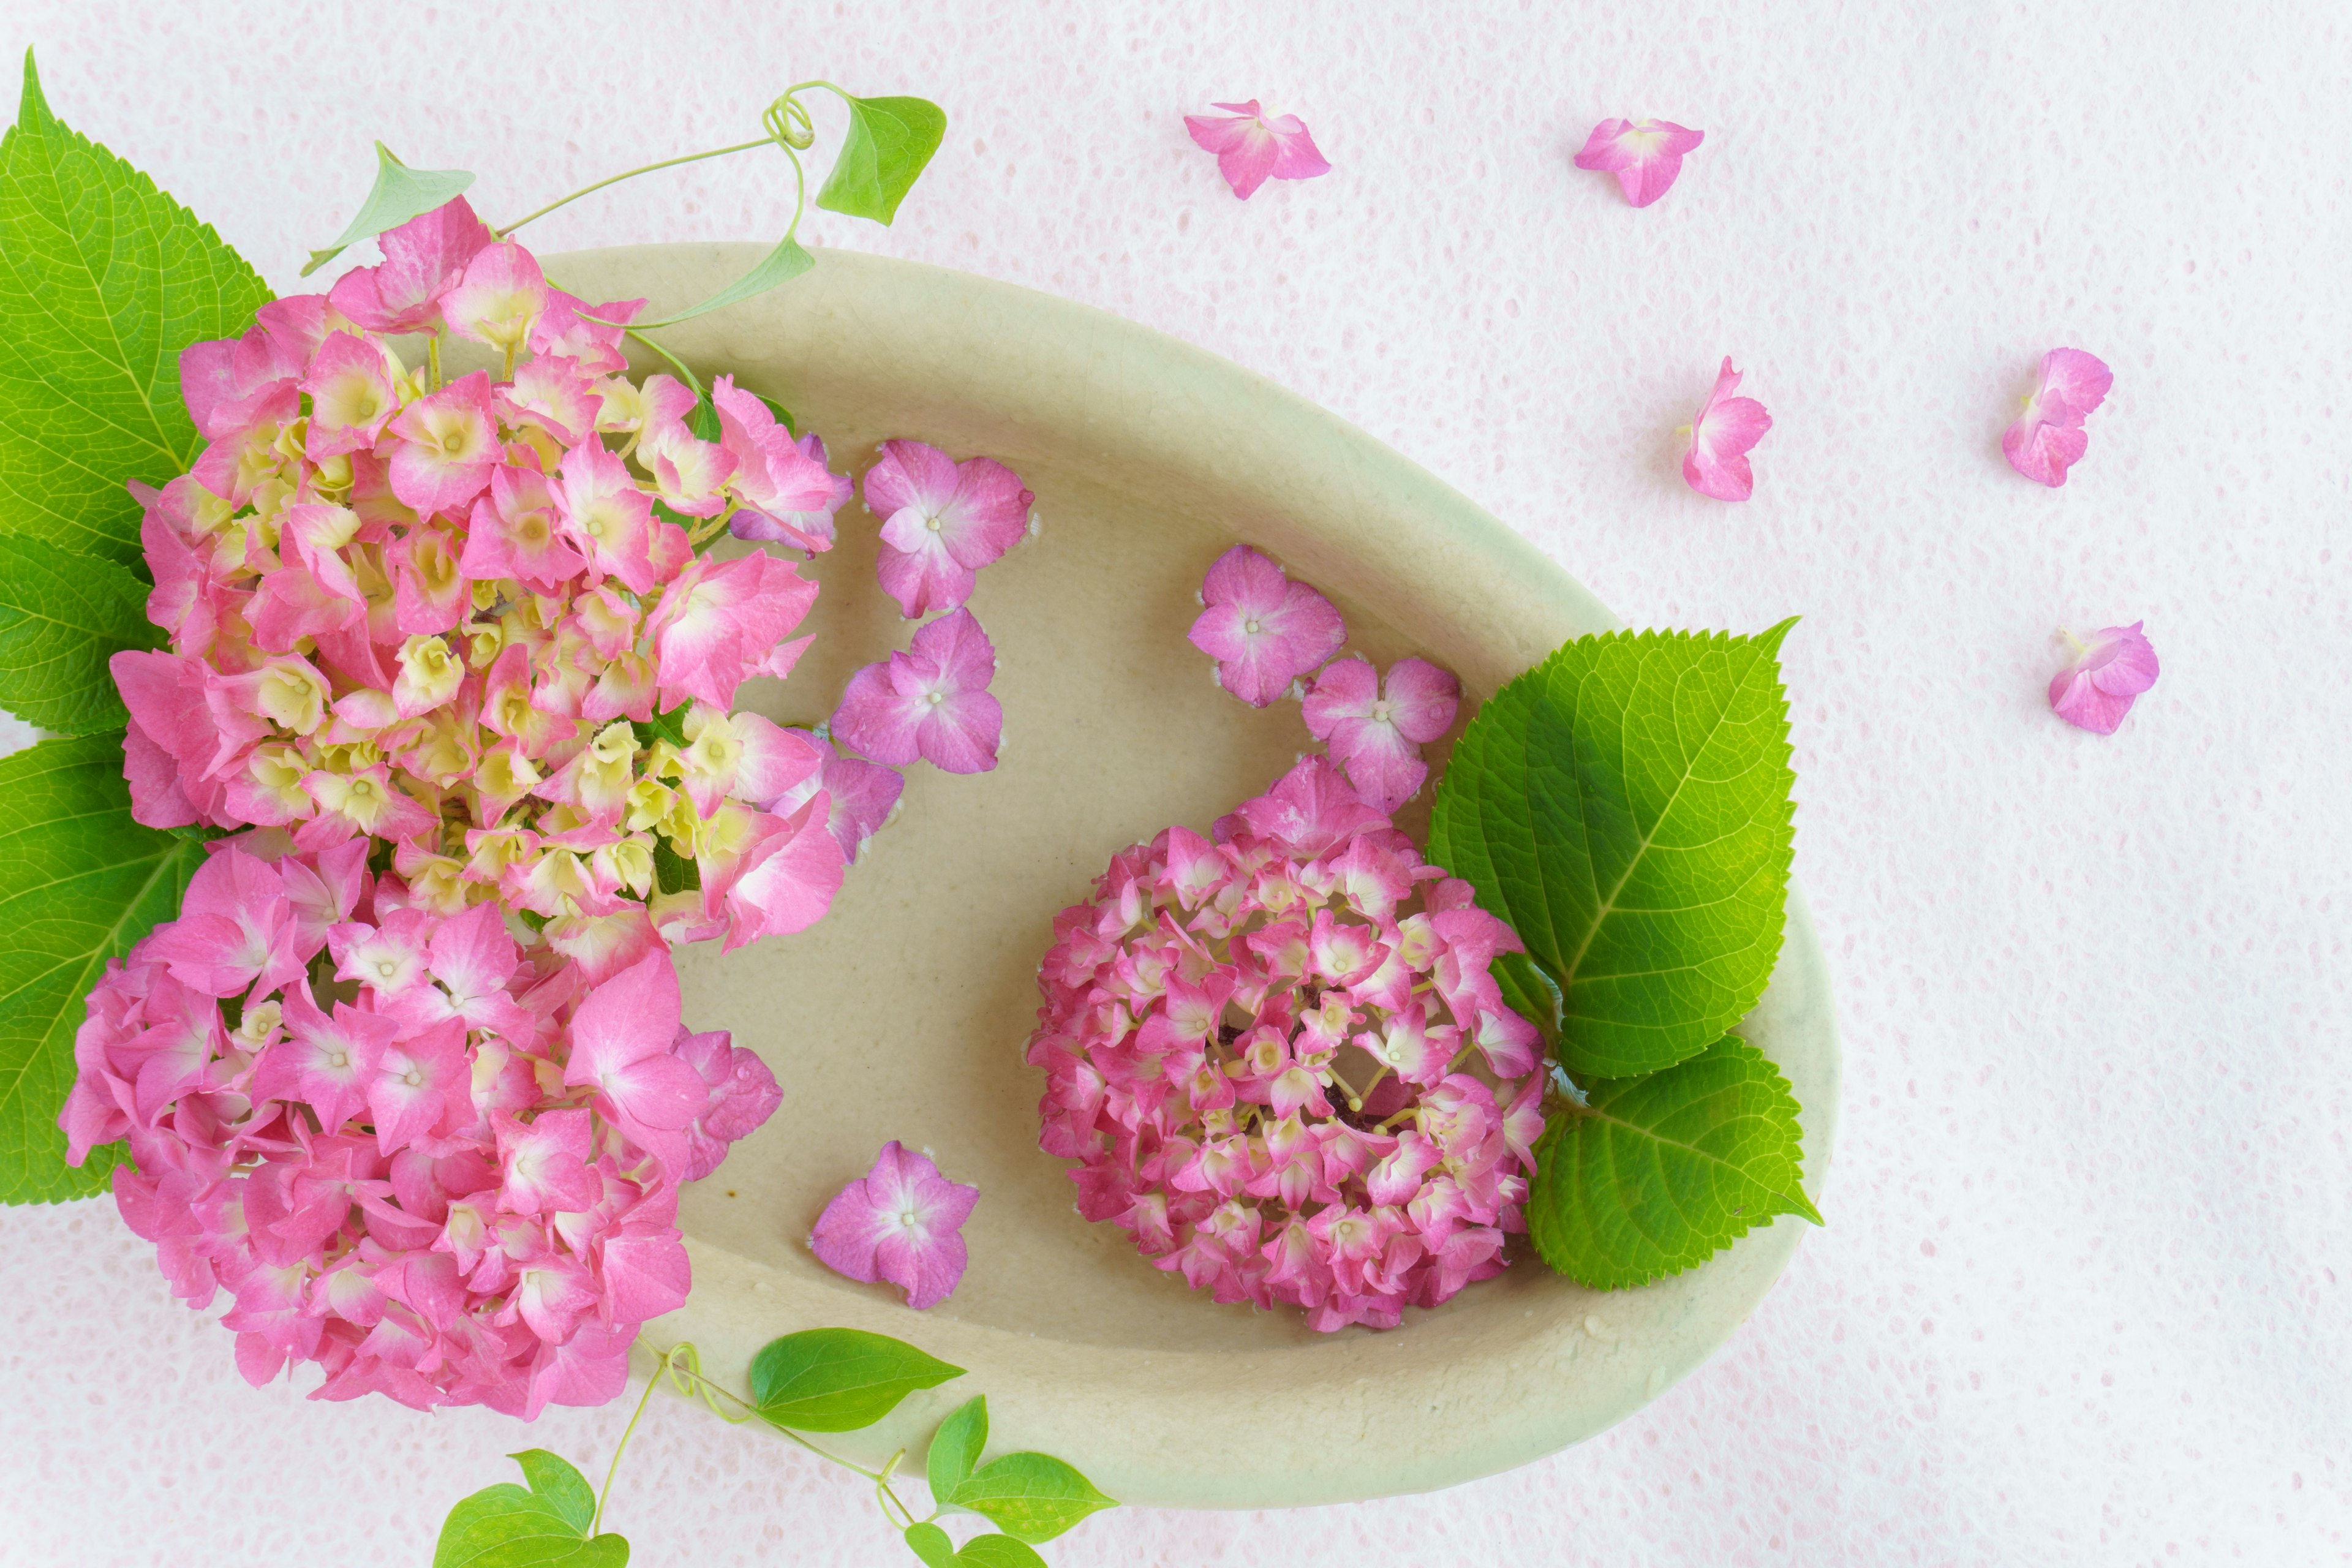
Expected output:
(442, 1166)
(1282, 1063)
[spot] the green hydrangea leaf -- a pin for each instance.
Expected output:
(838, 1380)
(399, 194)
(1625, 805)
(1030, 1496)
(79, 882)
(1657, 1173)
(508, 1526)
(61, 618)
(890, 140)
(1528, 992)
(104, 280)
(955, 1448)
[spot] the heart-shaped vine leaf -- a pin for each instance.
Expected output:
(399, 194)
(931, 1543)
(890, 140)
(61, 618)
(838, 1380)
(79, 882)
(1625, 806)
(997, 1551)
(506, 1526)
(1655, 1174)
(103, 279)
(787, 261)
(1030, 1496)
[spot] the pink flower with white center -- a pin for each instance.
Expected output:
(1727, 426)
(473, 957)
(2106, 674)
(1252, 146)
(553, 395)
(551, 1290)
(387, 959)
(543, 1163)
(325, 1061)
(620, 1046)
(429, 587)
(863, 796)
(941, 522)
(606, 517)
(788, 880)
(719, 621)
(1184, 1125)
(517, 532)
(420, 1080)
(1264, 630)
(1645, 155)
(562, 330)
(351, 396)
(689, 474)
(447, 444)
(2048, 437)
(786, 489)
(497, 298)
(241, 384)
(1376, 729)
(235, 929)
(422, 258)
(930, 701)
(901, 1222)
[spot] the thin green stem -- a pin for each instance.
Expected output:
(675, 363)
(630, 174)
(623, 1447)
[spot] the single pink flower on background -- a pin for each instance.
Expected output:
(1249, 146)
(941, 522)
(2108, 671)
(1264, 630)
(932, 701)
(1376, 729)
(1644, 154)
(1727, 426)
(2048, 437)
(901, 1222)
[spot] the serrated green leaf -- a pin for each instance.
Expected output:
(1625, 806)
(104, 280)
(1657, 1173)
(955, 1448)
(931, 1543)
(997, 1551)
(505, 1526)
(61, 618)
(399, 194)
(838, 1380)
(1031, 1496)
(890, 140)
(787, 261)
(79, 882)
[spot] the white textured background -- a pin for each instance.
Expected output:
(2083, 1294)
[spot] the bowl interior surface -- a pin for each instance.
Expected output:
(903, 1014)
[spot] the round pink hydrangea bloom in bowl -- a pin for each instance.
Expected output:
(1283, 1066)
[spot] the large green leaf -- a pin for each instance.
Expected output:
(838, 1380)
(1655, 1174)
(61, 618)
(506, 1526)
(104, 280)
(1625, 806)
(399, 194)
(79, 882)
(890, 140)
(1030, 1496)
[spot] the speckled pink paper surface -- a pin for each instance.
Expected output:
(2086, 1293)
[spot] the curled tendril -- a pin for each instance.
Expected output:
(788, 124)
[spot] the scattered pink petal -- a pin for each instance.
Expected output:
(1376, 730)
(2110, 668)
(1727, 426)
(941, 522)
(932, 701)
(1264, 630)
(1645, 155)
(901, 1222)
(1251, 147)
(2048, 437)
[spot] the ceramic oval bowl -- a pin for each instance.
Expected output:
(904, 1012)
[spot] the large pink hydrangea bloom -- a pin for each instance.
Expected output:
(1281, 1063)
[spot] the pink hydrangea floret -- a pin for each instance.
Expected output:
(932, 701)
(1646, 155)
(2109, 671)
(1264, 630)
(901, 1222)
(1725, 428)
(1281, 1063)
(1375, 728)
(941, 522)
(2048, 437)
(1253, 146)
